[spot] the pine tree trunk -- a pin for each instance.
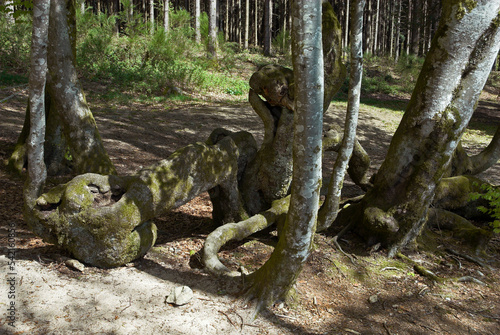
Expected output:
(268, 22)
(197, 14)
(212, 30)
(166, 10)
(152, 16)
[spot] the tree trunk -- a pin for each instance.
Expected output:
(398, 31)
(274, 280)
(152, 16)
(166, 10)
(197, 11)
(376, 46)
(329, 209)
(212, 30)
(247, 24)
(70, 125)
(268, 26)
(394, 211)
(79, 126)
(37, 172)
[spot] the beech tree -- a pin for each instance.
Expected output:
(37, 172)
(395, 211)
(70, 124)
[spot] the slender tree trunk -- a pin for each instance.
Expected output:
(346, 27)
(37, 173)
(268, 26)
(256, 24)
(197, 13)
(166, 10)
(278, 275)
(376, 46)
(247, 24)
(152, 16)
(212, 30)
(398, 31)
(329, 210)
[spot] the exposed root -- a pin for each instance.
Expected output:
(423, 271)
(469, 258)
(238, 231)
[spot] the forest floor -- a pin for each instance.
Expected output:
(363, 294)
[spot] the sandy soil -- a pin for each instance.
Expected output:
(336, 295)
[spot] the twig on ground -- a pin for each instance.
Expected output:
(387, 329)
(228, 318)
(469, 258)
(339, 248)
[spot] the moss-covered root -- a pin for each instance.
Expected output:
(238, 231)
(105, 220)
(476, 238)
(359, 163)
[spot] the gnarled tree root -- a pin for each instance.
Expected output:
(238, 231)
(105, 221)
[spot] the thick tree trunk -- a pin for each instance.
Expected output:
(79, 126)
(275, 278)
(69, 122)
(453, 75)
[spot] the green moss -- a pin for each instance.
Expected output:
(464, 7)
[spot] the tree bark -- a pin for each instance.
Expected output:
(329, 209)
(212, 29)
(268, 26)
(79, 126)
(166, 11)
(197, 11)
(394, 211)
(37, 173)
(152, 16)
(275, 278)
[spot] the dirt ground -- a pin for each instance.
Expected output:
(364, 294)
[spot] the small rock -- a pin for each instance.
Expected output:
(180, 296)
(373, 299)
(74, 264)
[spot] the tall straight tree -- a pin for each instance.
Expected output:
(275, 279)
(197, 12)
(268, 26)
(247, 24)
(166, 10)
(37, 172)
(212, 29)
(152, 16)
